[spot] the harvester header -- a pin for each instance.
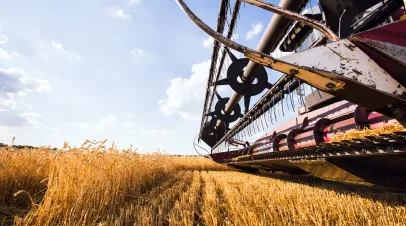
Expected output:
(350, 58)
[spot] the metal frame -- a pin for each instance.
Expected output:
(349, 69)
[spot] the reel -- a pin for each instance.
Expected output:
(236, 81)
(212, 133)
(220, 114)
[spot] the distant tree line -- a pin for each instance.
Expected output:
(20, 146)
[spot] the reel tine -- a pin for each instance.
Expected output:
(248, 128)
(241, 133)
(274, 112)
(266, 121)
(230, 54)
(247, 100)
(297, 97)
(247, 132)
(311, 87)
(252, 126)
(291, 99)
(259, 121)
(282, 97)
(304, 89)
(270, 112)
(318, 91)
(221, 82)
(218, 95)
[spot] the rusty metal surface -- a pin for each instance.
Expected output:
(393, 33)
(386, 45)
(393, 52)
(345, 59)
(389, 39)
(332, 36)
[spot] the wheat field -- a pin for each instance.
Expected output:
(98, 185)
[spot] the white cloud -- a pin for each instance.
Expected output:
(118, 13)
(128, 124)
(185, 95)
(110, 119)
(60, 49)
(58, 46)
(15, 83)
(7, 104)
(157, 132)
(5, 55)
(136, 53)
(3, 38)
(33, 119)
(11, 118)
(255, 30)
(48, 51)
(208, 42)
(135, 2)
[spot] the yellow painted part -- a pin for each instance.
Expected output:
(326, 170)
(313, 77)
(241, 156)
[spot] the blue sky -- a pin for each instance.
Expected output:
(133, 72)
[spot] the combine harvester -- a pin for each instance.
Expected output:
(353, 55)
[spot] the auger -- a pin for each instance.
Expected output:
(352, 53)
